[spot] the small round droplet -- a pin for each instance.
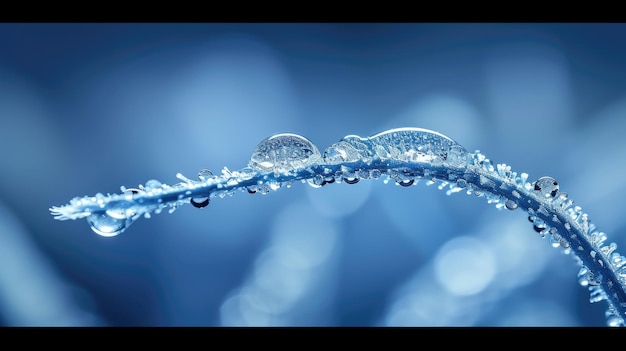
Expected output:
(614, 321)
(317, 181)
(351, 180)
(246, 173)
(152, 185)
(106, 225)
(406, 183)
(510, 204)
(461, 183)
(284, 153)
(547, 187)
(200, 202)
(205, 174)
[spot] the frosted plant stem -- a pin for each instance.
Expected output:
(404, 156)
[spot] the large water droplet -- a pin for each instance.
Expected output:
(107, 225)
(283, 153)
(419, 145)
(547, 187)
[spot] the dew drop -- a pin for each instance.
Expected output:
(375, 173)
(200, 202)
(419, 145)
(246, 173)
(461, 183)
(152, 185)
(317, 181)
(274, 185)
(406, 183)
(284, 153)
(351, 180)
(106, 225)
(547, 187)
(614, 321)
(205, 174)
(510, 204)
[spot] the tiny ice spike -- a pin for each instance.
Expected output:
(404, 155)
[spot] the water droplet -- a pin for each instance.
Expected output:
(418, 145)
(317, 181)
(152, 185)
(263, 189)
(614, 321)
(375, 173)
(461, 183)
(406, 183)
(200, 202)
(547, 187)
(539, 228)
(205, 174)
(510, 204)
(246, 173)
(283, 153)
(106, 225)
(274, 185)
(351, 180)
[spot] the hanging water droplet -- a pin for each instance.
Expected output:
(461, 183)
(283, 153)
(200, 202)
(205, 174)
(510, 204)
(121, 210)
(317, 181)
(106, 225)
(263, 189)
(274, 185)
(375, 173)
(406, 183)
(351, 180)
(547, 187)
(614, 321)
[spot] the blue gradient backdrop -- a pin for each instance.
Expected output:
(86, 108)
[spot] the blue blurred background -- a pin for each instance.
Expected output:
(86, 108)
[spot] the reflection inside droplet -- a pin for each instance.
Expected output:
(106, 225)
(283, 153)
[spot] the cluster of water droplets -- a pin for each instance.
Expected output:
(403, 156)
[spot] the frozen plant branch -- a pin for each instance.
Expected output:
(404, 156)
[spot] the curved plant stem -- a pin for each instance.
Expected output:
(405, 156)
